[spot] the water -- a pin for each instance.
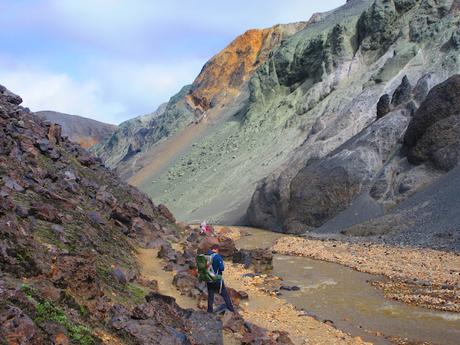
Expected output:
(337, 293)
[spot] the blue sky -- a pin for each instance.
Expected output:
(112, 60)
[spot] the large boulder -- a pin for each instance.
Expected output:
(18, 328)
(433, 133)
(227, 245)
(320, 191)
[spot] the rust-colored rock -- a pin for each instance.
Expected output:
(224, 74)
(54, 134)
(165, 212)
(17, 328)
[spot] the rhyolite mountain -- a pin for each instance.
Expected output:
(84, 131)
(220, 81)
(315, 137)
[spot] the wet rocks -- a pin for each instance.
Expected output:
(289, 288)
(260, 259)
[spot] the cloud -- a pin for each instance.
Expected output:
(116, 91)
(115, 59)
(44, 91)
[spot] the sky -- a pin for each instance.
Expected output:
(112, 60)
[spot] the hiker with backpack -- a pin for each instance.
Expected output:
(210, 268)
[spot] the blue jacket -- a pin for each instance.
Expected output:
(217, 263)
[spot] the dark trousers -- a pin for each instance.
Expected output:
(212, 289)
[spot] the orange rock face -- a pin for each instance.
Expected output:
(225, 73)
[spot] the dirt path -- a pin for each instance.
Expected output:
(266, 311)
(151, 268)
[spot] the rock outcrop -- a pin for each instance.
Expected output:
(81, 130)
(223, 75)
(433, 134)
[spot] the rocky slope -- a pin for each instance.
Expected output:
(81, 130)
(69, 229)
(316, 139)
(221, 80)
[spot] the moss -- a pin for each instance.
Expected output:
(46, 311)
(45, 235)
(136, 292)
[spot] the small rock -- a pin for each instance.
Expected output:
(12, 184)
(120, 276)
(96, 218)
(289, 288)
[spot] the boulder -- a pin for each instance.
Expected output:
(18, 327)
(165, 212)
(167, 253)
(161, 321)
(227, 245)
(403, 92)
(185, 281)
(261, 259)
(433, 134)
(45, 212)
(54, 134)
(96, 218)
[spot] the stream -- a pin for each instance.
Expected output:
(338, 293)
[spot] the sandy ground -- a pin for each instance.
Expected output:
(261, 309)
(425, 277)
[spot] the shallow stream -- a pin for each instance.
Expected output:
(344, 296)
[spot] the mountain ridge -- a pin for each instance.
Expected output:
(82, 130)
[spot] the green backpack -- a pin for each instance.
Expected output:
(205, 271)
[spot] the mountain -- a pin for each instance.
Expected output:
(221, 80)
(84, 131)
(316, 130)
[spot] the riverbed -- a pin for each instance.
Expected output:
(344, 296)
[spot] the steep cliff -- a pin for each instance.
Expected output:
(81, 130)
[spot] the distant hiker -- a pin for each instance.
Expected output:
(203, 226)
(210, 268)
(206, 228)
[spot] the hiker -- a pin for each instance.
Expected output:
(210, 269)
(206, 228)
